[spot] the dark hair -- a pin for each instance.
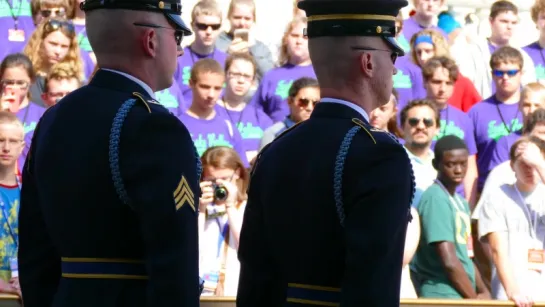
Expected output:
(506, 55)
(429, 68)
(240, 56)
(392, 126)
(18, 60)
(447, 143)
(420, 103)
(525, 139)
(502, 6)
(536, 118)
(300, 84)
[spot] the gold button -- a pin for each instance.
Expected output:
(379, 29)
(161, 5)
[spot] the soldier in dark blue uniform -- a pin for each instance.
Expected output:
(329, 199)
(111, 184)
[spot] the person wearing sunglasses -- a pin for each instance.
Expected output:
(44, 9)
(315, 227)
(303, 96)
(206, 22)
(125, 223)
(498, 115)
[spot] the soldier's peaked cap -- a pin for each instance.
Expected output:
(171, 8)
(353, 18)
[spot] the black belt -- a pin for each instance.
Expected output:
(103, 268)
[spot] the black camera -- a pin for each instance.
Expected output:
(220, 192)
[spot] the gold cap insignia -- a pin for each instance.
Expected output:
(161, 5)
(379, 29)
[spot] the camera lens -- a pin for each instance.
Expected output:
(220, 193)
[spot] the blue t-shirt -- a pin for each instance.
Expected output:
(9, 232)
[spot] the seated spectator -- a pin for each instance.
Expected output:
(440, 75)
(443, 264)
(54, 41)
(221, 209)
(241, 15)
(303, 95)
(385, 117)
(420, 123)
(209, 128)
(532, 98)
(294, 63)
(11, 145)
(61, 81)
(16, 26)
(206, 21)
(240, 70)
(512, 222)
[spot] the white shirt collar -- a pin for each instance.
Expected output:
(354, 106)
(133, 78)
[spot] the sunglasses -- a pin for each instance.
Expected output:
(54, 12)
(21, 84)
(204, 26)
(501, 73)
(428, 122)
(178, 34)
(53, 25)
(304, 102)
(393, 54)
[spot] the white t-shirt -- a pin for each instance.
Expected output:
(500, 175)
(504, 212)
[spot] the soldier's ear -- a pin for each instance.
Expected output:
(366, 65)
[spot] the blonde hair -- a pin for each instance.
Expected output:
(226, 157)
(533, 88)
(37, 5)
(538, 7)
(234, 3)
(207, 8)
(34, 48)
(440, 44)
(284, 57)
(10, 118)
(61, 71)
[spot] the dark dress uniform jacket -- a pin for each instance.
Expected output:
(80, 245)
(293, 248)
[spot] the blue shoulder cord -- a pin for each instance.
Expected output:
(113, 151)
(339, 169)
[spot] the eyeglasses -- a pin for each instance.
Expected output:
(178, 34)
(53, 25)
(53, 12)
(393, 55)
(428, 122)
(238, 76)
(304, 102)
(204, 26)
(501, 73)
(20, 84)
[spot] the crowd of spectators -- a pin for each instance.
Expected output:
(478, 226)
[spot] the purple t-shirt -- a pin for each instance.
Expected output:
(186, 62)
(83, 40)
(88, 64)
(12, 41)
(272, 94)
(503, 147)
(456, 122)
(29, 116)
(538, 56)
(214, 132)
(251, 122)
(172, 99)
(492, 120)
(411, 27)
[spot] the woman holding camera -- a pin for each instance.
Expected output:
(221, 209)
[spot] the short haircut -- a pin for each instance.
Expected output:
(429, 68)
(536, 118)
(447, 143)
(11, 118)
(502, 6)
(243, 56)
(61, 71)
(234, 3)
(207, 8)
(206, 66)
(533, 88)
(506, 55)
(525, 139)
(537, 8)
(420, 103)
(300, 84)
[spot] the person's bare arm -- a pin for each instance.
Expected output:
(454, 269)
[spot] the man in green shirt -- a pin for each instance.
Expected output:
(443, 264)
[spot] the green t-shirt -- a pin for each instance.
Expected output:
(441, 221)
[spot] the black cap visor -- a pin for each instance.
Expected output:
(394, 45)
(180, 25)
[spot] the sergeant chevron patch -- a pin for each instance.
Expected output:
(183, 195)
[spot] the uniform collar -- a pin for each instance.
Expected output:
(144, 86)
(349, 104)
